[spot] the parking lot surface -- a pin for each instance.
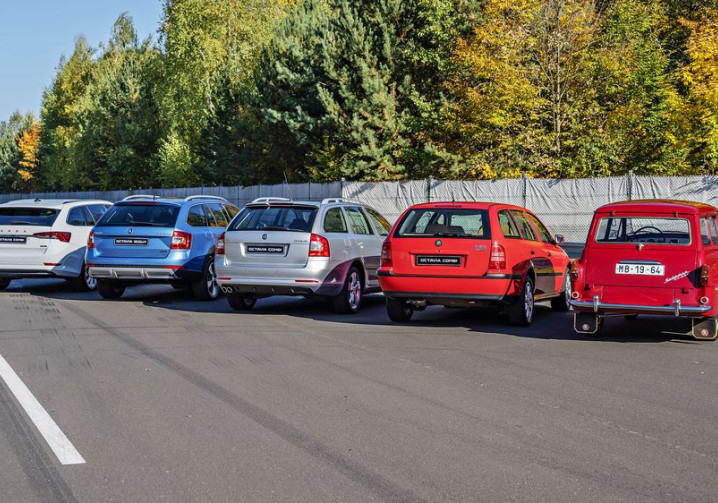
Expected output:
(170, 399)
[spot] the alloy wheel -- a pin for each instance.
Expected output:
(354, 291)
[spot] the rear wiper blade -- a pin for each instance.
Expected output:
(449, 234)
(146, 224)
(277, 228)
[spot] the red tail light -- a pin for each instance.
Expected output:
(497, 260)
(219, 247)
(705, 274)
(386, 260)
(60, 236)
(573, 270)
(318, 246)
(181, 240)
(91, 240)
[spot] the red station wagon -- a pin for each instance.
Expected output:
(470, 254)
(652, 257)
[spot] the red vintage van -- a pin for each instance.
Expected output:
(649, 257)
(467, 254)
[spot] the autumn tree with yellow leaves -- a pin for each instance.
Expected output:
(28, 144)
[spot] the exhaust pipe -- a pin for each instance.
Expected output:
(227, 289)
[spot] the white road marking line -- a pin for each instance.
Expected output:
(56, 439)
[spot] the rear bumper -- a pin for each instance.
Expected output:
(140, 273)
(40, 271)
(494, 287)
(677, 309)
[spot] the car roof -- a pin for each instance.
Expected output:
(482, 205)
(281, 201)
(658, 206)
(142, 199)
(50, 203)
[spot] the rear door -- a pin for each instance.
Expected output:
(18, 226)
(366, 243)
(136, 230)
(540, 260)
(270, 236)
(442, 240)
(553, 252)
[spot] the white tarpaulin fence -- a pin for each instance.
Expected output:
(565, 206)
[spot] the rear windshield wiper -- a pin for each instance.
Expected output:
(278, 228)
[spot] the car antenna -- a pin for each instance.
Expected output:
(289, 189)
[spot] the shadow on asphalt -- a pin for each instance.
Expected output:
(547, 324)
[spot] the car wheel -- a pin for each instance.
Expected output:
(4, 283)
(84, 282)
(207, 287)
(562, 303)
(521, 312)
(349, 300)
(398, 310)
(241, 301)
(109, 289)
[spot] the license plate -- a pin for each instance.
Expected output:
(16, 240)
(438, 260)
(641, 269)
(277, 249)
(131, 241)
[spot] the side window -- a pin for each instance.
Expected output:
(381, 224)
(220, 218)
(508, 226)
(78, 217)
(97, 210)
(334, 221)
(705, 233)
(714, 229)
(196, 216)
(526, 230)
(358, 222)
(546, 236)
(231, 211)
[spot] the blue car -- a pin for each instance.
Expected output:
(146, 239)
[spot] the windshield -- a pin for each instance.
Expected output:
(445, 222)
(140, 215)
(44, 217)
(275, 218)
(644, 229)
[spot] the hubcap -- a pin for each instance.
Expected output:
(354, 290)
(529, 302)
(212, 286)
(89, 280)
(567, 290)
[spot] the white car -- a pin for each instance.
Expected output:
(46, 238)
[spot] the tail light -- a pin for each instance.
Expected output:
(181, 240)
(705, 274)
(91, 240)
(573, 270)
(60, 236)
(318, 246)
(219, 247)
(386, 260)
(497, 260)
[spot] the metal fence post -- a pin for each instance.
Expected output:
(524, 196)
(629, 184)
(428, 188)
(343, 181)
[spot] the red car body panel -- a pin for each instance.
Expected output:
(679, 291)
(471, 281)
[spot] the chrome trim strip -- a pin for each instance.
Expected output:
(676, 309)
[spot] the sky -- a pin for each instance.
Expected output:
(34, 34)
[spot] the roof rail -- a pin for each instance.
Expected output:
(141, 196)
(269, 200)
(330, 200)
(215, 198)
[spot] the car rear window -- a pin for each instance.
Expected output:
(644, 229)
(277, 218)
(447, 222)
(140, 215)
(43, 217)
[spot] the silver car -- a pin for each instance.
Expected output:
(278, 246)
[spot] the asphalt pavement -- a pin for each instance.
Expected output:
(164, 398)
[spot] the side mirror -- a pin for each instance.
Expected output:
(560, 239)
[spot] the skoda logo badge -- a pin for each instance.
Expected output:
(129, 231)
(438, 242)
(264, 236)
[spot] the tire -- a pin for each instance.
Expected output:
(84, 282)
(4, 283)
(241, 301)
(349, 300)
(109, 289)
(521, 312)
(398, 310)
(207, 287)
(562, 303)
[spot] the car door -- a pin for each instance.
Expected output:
(379, 231)
(538, 257)
(555, 253)
(218, 221)
(199, 219)
(80, 222)
(364, 241)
